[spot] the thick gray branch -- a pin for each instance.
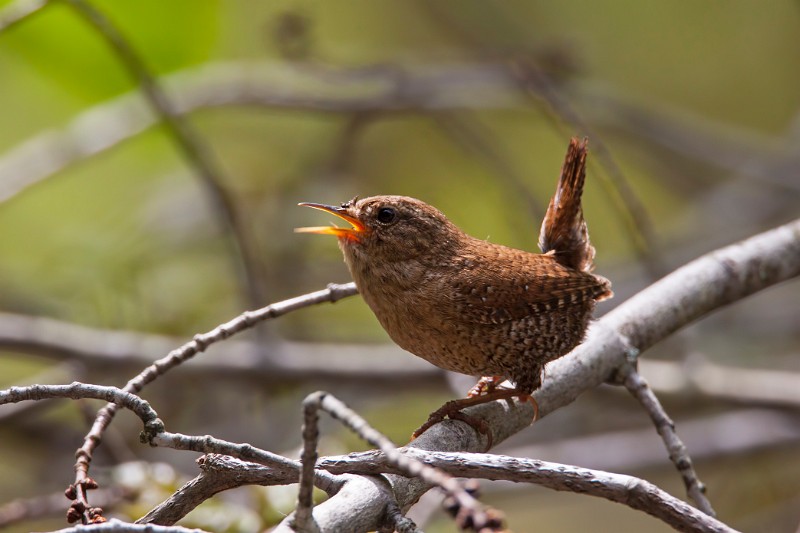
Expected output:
(690, 292)
(218, 473)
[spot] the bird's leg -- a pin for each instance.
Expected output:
(452, 409)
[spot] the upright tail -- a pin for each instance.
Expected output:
(564, 232)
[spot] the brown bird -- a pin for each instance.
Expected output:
(468, 305)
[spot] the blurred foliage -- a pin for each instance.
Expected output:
(126, 239)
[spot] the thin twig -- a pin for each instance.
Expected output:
(621, 451)
(611, 451)
(191, 144)
(678, 453)
(244, 451)
(77, 391)
(155, 434)
(80, 509)
(627, 490)
(197, 345)
(470, 513)
(308, 458)
(64, 372)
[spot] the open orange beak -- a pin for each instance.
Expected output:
(350, 233)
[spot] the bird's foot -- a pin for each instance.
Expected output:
(452, 410)
(485, 385)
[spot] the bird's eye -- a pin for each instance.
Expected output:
(386, 215)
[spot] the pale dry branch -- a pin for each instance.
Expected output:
(665, 427)
(78, 391)
(217, 473)
(705, 284)
(179, 355)
(360, 504)
(748, 430)
(627, 490)
(244, 451)
(155, 434)
(64, 372)
(361, 492)
(221, 472)
(710, 282)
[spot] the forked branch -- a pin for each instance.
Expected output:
(701, 286)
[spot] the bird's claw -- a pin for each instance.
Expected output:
(453, 410)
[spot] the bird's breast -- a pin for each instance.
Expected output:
(413, 303)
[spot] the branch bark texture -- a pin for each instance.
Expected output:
(633, 492)
(692, 291)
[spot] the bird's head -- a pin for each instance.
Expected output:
(388, 228)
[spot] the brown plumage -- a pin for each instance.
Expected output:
(468, 305)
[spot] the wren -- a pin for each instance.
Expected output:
(468, 305)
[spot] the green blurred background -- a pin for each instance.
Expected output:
(467, 105)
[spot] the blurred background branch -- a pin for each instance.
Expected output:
(110, 258)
